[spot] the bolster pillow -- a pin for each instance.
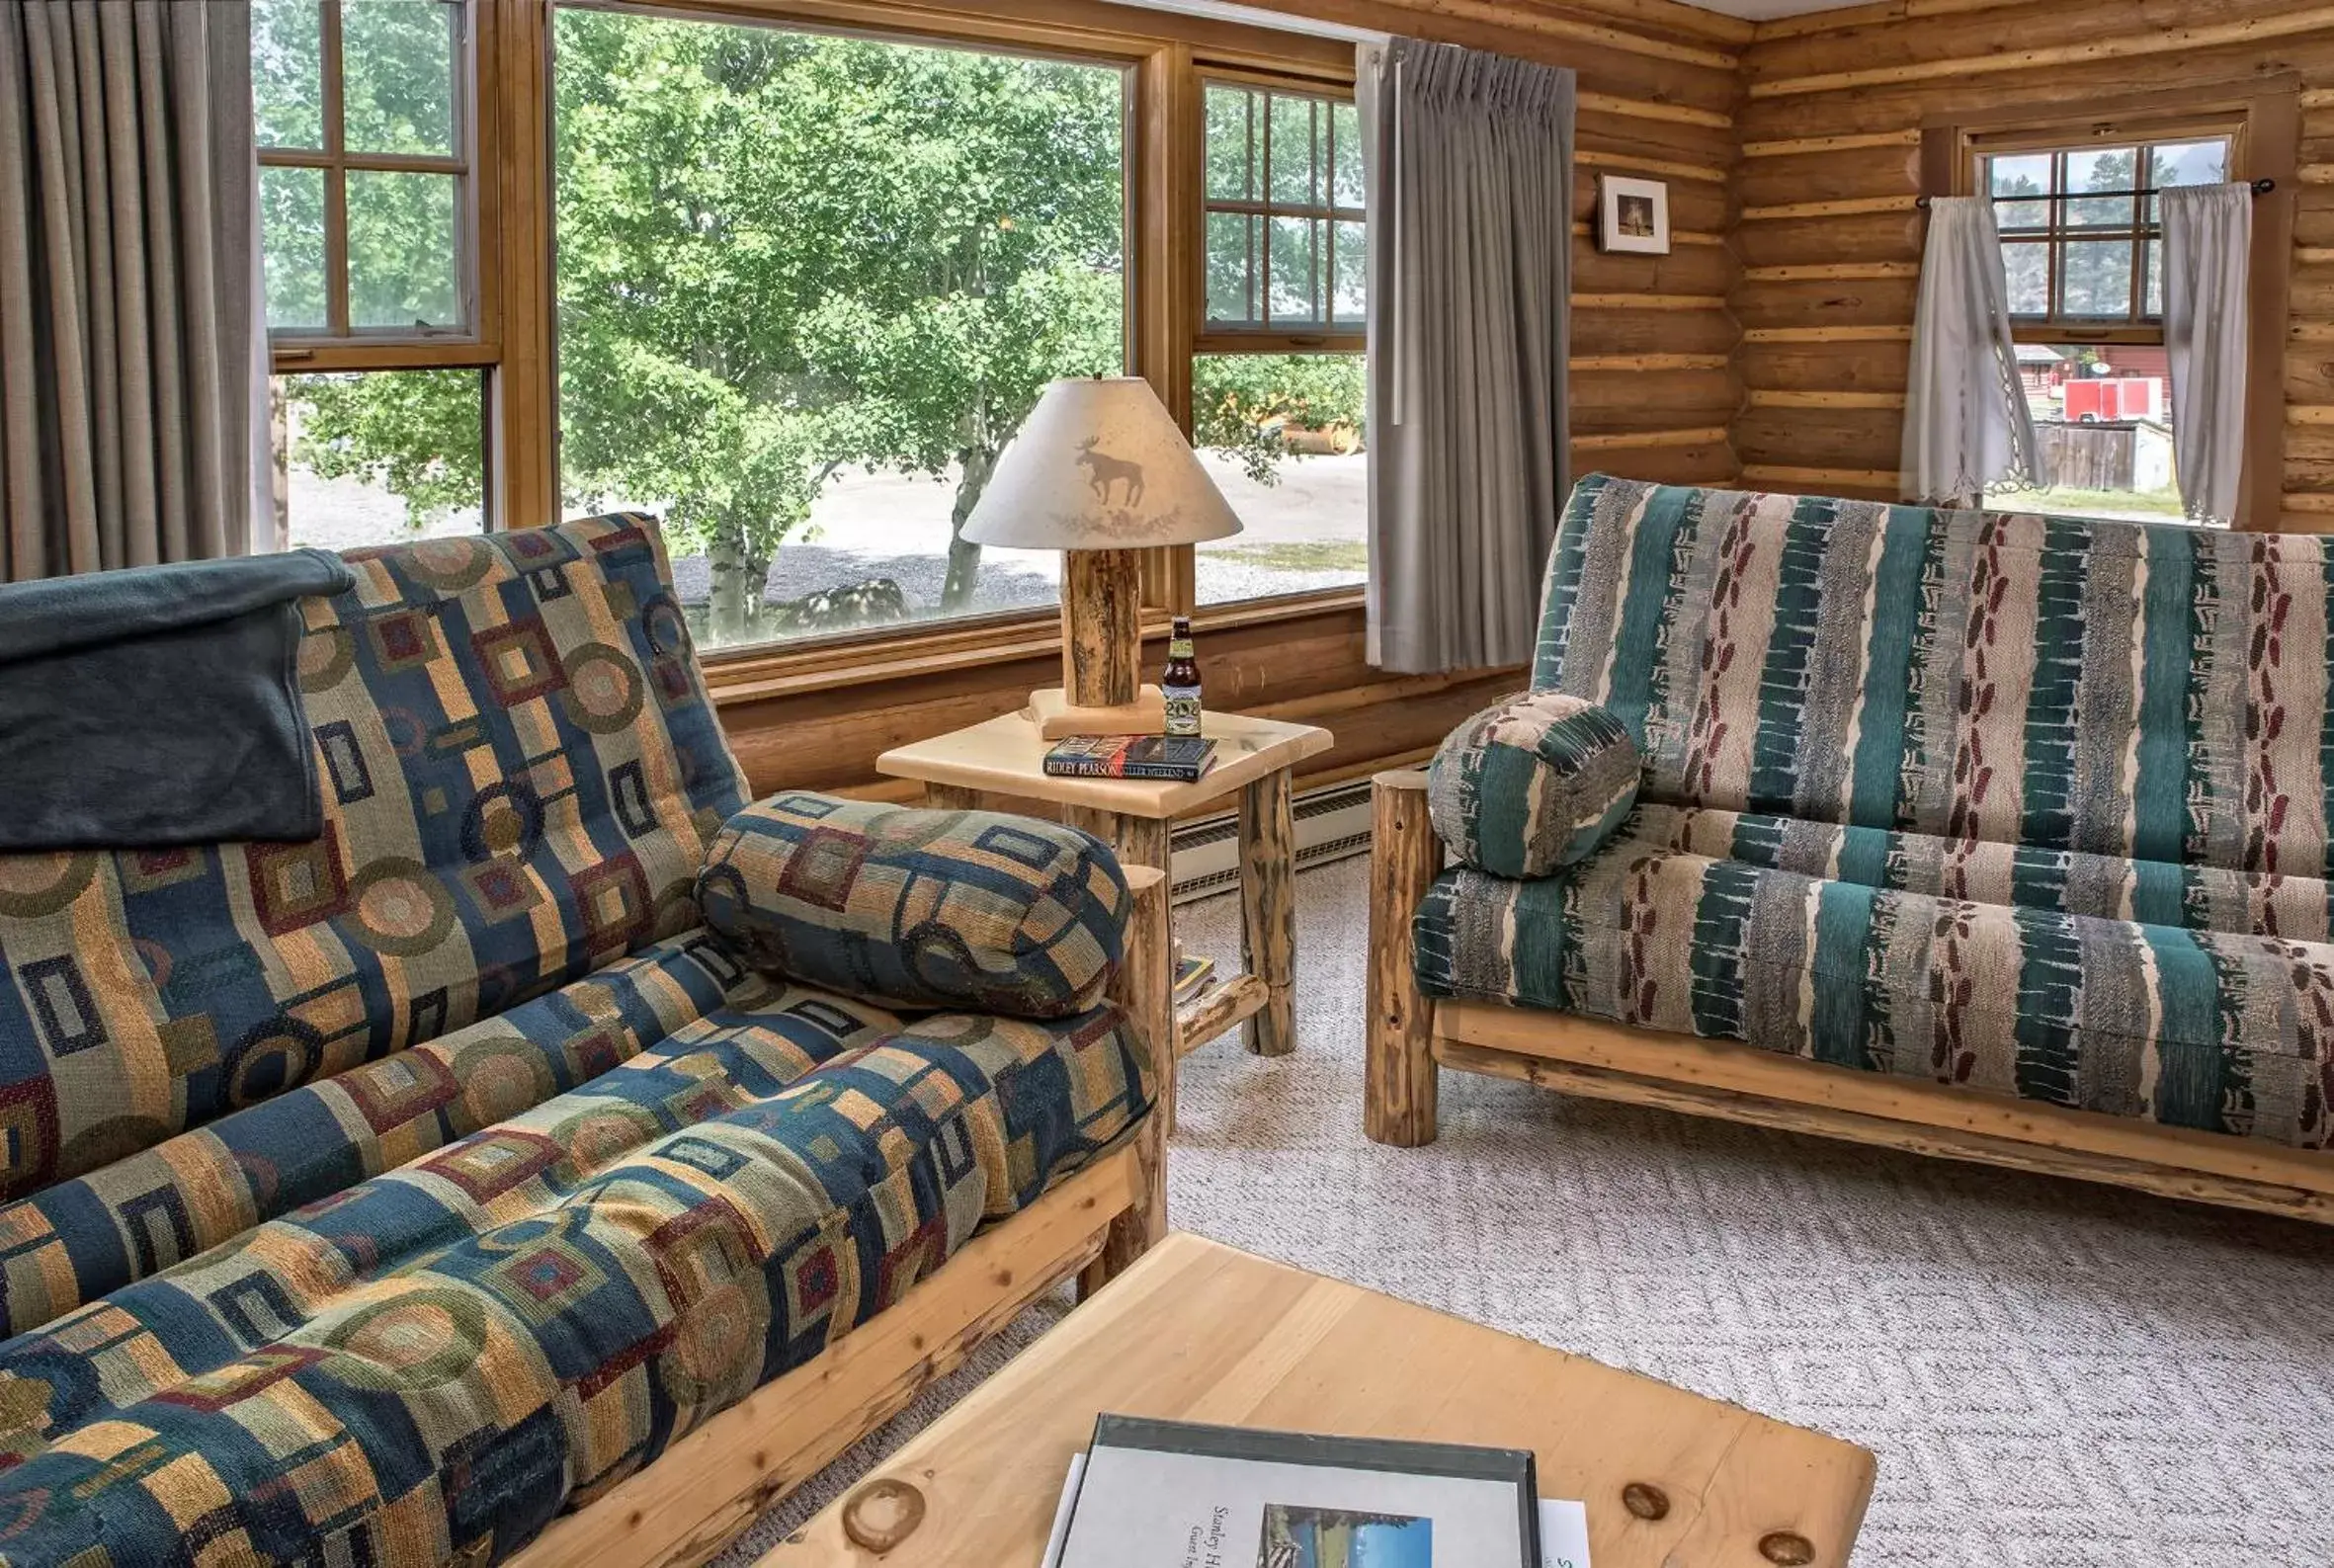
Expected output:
(1532, 784)
(919, 909)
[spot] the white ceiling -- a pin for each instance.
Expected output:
(1761, 10)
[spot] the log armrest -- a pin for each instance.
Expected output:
(1405, 855)
(957, 910)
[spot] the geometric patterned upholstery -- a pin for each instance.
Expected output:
(430, 1366)
(77, 1240)
(377, 1197)
(917, 908)
(519, 769)
(2035, 805)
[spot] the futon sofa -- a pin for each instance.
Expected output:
(375, 1197)
(1996, 836)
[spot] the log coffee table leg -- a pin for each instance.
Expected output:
(950, 797)
(1268, 910)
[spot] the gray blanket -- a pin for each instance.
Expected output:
(159, 705)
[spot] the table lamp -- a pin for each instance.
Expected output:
(1100, 471)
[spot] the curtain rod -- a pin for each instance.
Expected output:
(2260, 187)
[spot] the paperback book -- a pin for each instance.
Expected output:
(1174, 759)
(1164, 1494)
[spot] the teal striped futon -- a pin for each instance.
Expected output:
(2035, 805)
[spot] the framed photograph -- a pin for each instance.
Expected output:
(1632, 214)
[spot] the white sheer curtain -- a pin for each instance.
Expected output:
(2207, 241)
(1967, 425)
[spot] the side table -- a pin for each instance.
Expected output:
(1256, 758)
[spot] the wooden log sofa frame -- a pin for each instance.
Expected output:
(706, 1489)
(1412, 1036)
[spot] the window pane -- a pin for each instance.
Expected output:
(1349, 296)
(1346, 121)
(1295, 173)
(2102, 169)
(2155, 278)
(2103, 416)
(2026, 174)
(2191, 163)
(1231, 147)
(291, 223)
(2095, 278)
(402, 250)
(1232, 267)
(2028, 265)
(1296, 270)
(398, 75)
(378, 457)
(287, 73)
(807, 326)
(1282, 436)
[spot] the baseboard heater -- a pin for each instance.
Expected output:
(1332, 824)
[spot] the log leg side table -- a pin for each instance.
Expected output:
(1255, 759)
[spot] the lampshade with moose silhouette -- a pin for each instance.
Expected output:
(1098, 465)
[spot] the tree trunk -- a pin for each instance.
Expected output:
(736, 593)
(964, 554)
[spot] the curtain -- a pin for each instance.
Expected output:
(126, 282)
(1468, 169)
(2208, 244)
(1967, 424)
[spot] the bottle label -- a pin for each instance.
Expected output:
(1182, 709)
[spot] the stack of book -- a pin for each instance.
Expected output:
(1169, 1494)
(1172, 759)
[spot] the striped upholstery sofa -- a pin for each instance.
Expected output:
(2030, 807)
(373, 1199)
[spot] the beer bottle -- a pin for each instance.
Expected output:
(1179, 683)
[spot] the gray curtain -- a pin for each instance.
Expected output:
(1468, 167)
(126, 282)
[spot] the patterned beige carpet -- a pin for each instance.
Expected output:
(2053, 1375)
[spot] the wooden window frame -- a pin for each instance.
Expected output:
(2264, 116)
(1167, 52)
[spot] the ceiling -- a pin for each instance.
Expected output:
(1761, 10)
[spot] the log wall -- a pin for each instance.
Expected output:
(1828, 237)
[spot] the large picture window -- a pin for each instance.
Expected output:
(808, 287)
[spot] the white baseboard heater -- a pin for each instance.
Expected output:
(1332, 823)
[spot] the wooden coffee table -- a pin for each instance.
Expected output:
(1196, 1331)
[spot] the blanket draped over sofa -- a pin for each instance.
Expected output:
(2029, 804)
(375, 1197)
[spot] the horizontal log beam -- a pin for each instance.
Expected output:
(1831, 272)
(1771, 397)
(1650, 362)
(2317, 174)
(1517, 18)
(1828, 335)
(2310, 414)
(2312, 501)
(2130, 45)
(1648, 301)
(1596, 158)
(1852, 478)
(1793, 146)
(1677, 236)
(1849, 207)
(1650, 438)
(1646, 109)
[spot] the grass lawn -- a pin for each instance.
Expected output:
(2089, 503)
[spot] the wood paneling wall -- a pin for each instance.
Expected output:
(1829, 239)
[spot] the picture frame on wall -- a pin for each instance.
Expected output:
(1632, 215)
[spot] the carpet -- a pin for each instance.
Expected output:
(2053, 1374)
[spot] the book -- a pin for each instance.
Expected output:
(1191, 975)
(1563, 1525)
(1168, 1494)
(1174, 759)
